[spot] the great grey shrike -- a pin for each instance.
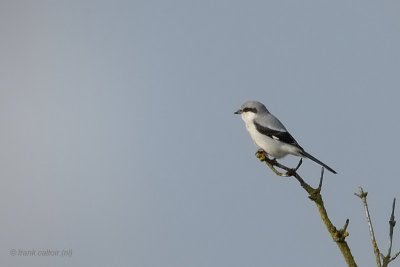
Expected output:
(269, 133)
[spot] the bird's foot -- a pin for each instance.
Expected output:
(272, 163)
(261, 155)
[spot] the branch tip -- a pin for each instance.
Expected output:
(361, 193)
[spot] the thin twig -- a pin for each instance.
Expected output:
(345, 225)
(387, 259)
(392, 223)
(363, 196)
(321, 179)
(395, 256)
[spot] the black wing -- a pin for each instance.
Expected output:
(284, 137)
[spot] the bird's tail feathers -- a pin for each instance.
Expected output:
(304, 153)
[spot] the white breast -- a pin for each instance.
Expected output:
(273, 147)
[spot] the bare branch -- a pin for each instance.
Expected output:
(363, 196)
(338, 236)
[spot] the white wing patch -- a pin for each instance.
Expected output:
(276, 138)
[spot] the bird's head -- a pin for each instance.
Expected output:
(251, 109)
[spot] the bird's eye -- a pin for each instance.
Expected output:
(254, 110)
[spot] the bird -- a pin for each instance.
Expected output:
(269, 134)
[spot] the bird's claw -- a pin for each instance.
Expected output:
(261, 155)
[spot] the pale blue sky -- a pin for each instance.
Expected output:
(119, 141)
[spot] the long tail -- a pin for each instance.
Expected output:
(317, 161)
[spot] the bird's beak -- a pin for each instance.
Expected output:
(239, 112)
